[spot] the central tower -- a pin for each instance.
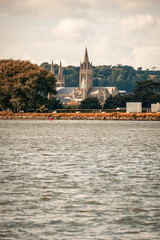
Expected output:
(85, 75)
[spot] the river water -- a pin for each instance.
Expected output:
(79, 180)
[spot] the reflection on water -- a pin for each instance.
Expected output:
(79, 180)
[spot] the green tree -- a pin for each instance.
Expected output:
(71, 76)
(110, 103)
(54, 103)
(24, 85)
(117, 101)
(122, 77)
(90, 103)
(147, 92)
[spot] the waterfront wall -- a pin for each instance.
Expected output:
(83, 116)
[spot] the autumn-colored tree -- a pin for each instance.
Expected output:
(24, 85)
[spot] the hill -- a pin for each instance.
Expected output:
(122, 77)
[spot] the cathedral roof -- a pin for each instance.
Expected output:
(73, 103)
(65, 90)
(95, 90)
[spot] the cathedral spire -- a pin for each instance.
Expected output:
(86, 59)
(60, 68)
(60, 77)
(85, 75)
(52, 68)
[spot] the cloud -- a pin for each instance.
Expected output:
(41, 8)
(133, 5)
(115, 31)
(18, 51)
(137, 22)
(146, 57)
(109, 52)
(66, 8)
(70, 29)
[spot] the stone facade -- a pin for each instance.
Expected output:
(85, 89)
(85, 75)
(60, 76)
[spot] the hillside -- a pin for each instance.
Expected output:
(122, 77)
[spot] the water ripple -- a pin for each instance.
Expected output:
(79, 180)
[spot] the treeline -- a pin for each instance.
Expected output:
(26, 86)
(146, 92)
(122, 77)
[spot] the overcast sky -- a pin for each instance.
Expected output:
(123, 32)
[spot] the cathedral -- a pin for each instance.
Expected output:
(85, 89)
(60, 77)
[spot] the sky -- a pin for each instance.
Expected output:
(115, 32)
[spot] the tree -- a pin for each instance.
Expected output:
(24, 85)
(90, 103)
(54, 103)
(117, 101)
(71, 76)
(147, 92)
(154, 68)
(110, 103)
(122, 77)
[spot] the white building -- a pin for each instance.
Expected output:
(155, 107)
(133, 107)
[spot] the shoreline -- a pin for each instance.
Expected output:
(81, 116)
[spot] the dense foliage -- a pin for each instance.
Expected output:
(71, 74)
(24, 85)
(146, 92)
(117, 101)
(90, 103)
(122, 77)
(54, 103)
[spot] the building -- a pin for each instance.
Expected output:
(85, 76)
(133, 107)
(60, 76)
(155, 107)
(85, 89)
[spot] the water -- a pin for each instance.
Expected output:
(79, 180)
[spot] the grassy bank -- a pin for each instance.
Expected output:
(83, 116)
